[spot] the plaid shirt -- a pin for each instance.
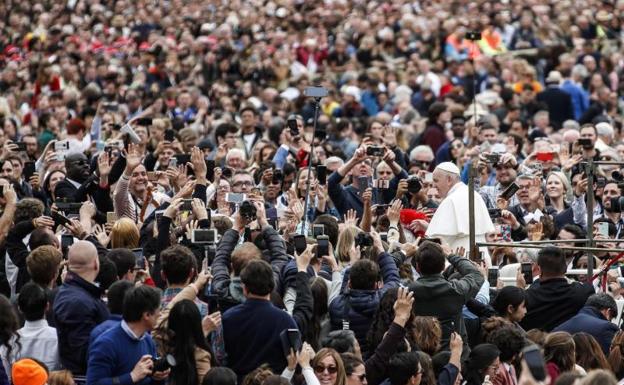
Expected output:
(170, 293)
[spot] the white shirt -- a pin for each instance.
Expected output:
(37, 340)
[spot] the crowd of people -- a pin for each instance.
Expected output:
(276, 192)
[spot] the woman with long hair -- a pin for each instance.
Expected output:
(9, 339)
(319, 324)
(61, 377)
(589, 354)
(383, 318)
(124, 234)
(346, 249)
(180, 332)
(483, 361)
(616, 354)
(559, 354)
(329, 368)
(427, 334)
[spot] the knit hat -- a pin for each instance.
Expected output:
(28, 372)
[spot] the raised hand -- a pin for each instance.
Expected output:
(104, 166)
(403, 306)
(350, 218)
(199, 163)
(211, 322)
(199, 209)
(133, 158)
(394, 212)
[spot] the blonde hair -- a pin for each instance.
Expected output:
(341, 375)
(346, 240)
(125, 234)
(60, 377)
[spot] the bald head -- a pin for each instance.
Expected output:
(83, 260)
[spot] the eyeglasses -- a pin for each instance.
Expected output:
(321, 369)
(361, 377)
(421, 163)
(243, 183)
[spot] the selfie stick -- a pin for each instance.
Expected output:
(317, 103)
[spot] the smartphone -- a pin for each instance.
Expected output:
(237, 198)
(322, 246)
(111, 217)
(362, 184)
(375, 151)
(384, 237)
(61, 145)
(186, 205)
(584, 142)
(527, 272)
(169, 135)
(144, 121)
(139, 260)
(290, 340)
(321, 175)
(380, 210)
(318, 230)
(21, 146)
(494, 213)
(493, 276)
(158, 215)
(29, 170)
(182, 159)
(535, 361)
(173, 162)
(603, 229)
(60, 218)
(66, 241)
(300, 243)
(545, 156)
(204, 236)
(601, 181)
(429, 177)
(151, 176)
(210, 167)
(510, 191)
(294, 128)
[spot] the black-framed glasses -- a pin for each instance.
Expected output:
(361, 377)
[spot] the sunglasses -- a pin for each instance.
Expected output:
(361, 377)
(321, 369)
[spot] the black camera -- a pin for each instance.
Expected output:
(494, 213)
(473, 35)
(413, 185)
(247, 211)
(163, 363)
(69, 207)
(617, 204)
(364, 239)
(277, 176)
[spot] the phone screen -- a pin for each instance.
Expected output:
(510, 191)
(527, 272)
(493, 276)
(322, 246)
(535, 362)
(300, 243)
(61, 219)
(321, 175)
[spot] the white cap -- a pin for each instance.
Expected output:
(448, 167)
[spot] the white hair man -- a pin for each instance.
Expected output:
(421, 157)
(606, 136)
(450, 222)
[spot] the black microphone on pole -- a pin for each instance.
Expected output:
(317, 93)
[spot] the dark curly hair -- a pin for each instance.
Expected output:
(8, 327)
(383, 319)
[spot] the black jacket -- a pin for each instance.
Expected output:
(559, 105)
(552, 302)
(230, 295)
(444, 299)
(18, 251)
(591, 321)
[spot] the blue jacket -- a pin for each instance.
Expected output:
(362, 304)
(251, 333)
(590, 320)
(114, 354)
(77, 310)
(114, 320)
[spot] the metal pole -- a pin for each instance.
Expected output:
(549, 241)
(471, 213)
(530, 246)
(589, 171)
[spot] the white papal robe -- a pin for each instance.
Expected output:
(451, 220)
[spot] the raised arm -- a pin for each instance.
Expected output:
(471, 279)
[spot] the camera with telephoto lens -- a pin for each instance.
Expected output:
(617, 204)
(163, 363)
(247, 211)
(364, 239)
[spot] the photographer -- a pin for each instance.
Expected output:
(126, 354)
(232, 257)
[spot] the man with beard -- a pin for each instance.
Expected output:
(74, 187)
(611, 190)
(506, 172)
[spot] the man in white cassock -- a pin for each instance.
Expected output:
(450, 222)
